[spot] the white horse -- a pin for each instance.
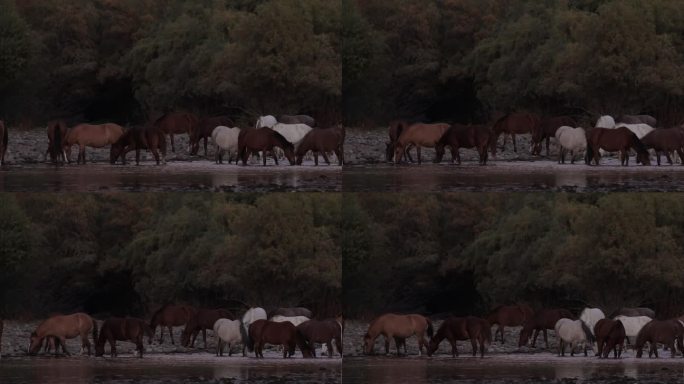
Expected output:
(640, 130)
(591, 316)
(267, 121)
(570, 139)
(294, 133)
(295, 320)
(605, 122)
(253, 314)
(226, 139)
(228, 332)
(573, 332)
(633, 325)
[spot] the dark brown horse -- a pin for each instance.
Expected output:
(459, 136)
(666, 141)
(324, 332)
(176, 123)
(615, 140)
(90, 135)
(477, 330)
(202, 320)
(137, 138)
(546, 129)
(123, 329)
(509, 316)
(665, 332)
(263, 139)
(4, 140)
(171, 316)
(542, 321)
(322, 141)
(610, 335)
(515, 124)
(640, 311)
(264, 332)
(63, 327)
(204, 129)
(57, 132)
(418, 135)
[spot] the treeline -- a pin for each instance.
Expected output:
(129, 254)
(130, 60)
(466, 253)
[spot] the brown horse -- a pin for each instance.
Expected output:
(398, 327)
(665, 332)
(546, 129)
(171, 316)
(324, 332)
(322, 141)
(137, 138)
(56, 131)
(88, 135)
(477, 330)
(123, 329)
(263, 139)
(204, 129)
(666, 141)
(615, 140)
(271, 332)
(515, 124)
(396, 127)
(610, 335)
(176, 123)
(64, 327)
(541, 321)
(418, 135)
(202, 320)
(4, 140)
(509, 316)
(459, 136)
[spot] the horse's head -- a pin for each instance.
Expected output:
(288, 149)
(398, 152)
(35, 343)
(643, 158)
(367, 344)
(432, 346)
(389, 151)
(99, 349)
(115, 151)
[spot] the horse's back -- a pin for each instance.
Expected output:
(423, 134)
(640, 130)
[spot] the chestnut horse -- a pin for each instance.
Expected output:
(263, 139)
(459, 136)
(666, 141)
(477, 330)
(615, 140)
(418, 135)
(542, 321)
(396, 127)
(324, 332)
(63, 327)
(322, 141)
(89, 135)
(57, 132)
(398, 327)
(4, 140)
(176, 123)
(171, 316)
(665, 332)
(205, 127)
(123, 329)
(202, 320)
(509, 316)
(137, 138)
(515, 124)
(610, 335)
(285, 334)
(546, 129)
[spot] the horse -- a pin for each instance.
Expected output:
(322, 141)
(285, 334)
(546, 129)
(639, 311)
(289, 312)
(542, 321)
(459, 136)
(572, 140)
(89, 135)
(666, 141)
(228, 332)
(399, 327)
(263, 139)
(396, 127)
(226, 139)
(4, 140)
(515, 124)
(294, 133)
(575, 333)
(610, 335)
(253, 314)
(637, 119)
(509, 316)
(591, 316)
(605, 121)
(202, 320)
(477, 330)
(175, 123)
(297, 119)
(324, 332)
(137, 138)
(418, 135)
(632, 324)
(123, 329)
(616, 140)
(171, 316)
(205, 129)
(267, 121)
(56, 133)
(64, 327)
(665, 332)
(295, 320)
(640, 130)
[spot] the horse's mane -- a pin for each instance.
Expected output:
(499, 121)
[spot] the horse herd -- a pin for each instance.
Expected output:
(290, 328)
(591, 329)
(628, 132)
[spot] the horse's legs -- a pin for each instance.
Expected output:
(669, 159)
(515, 148)
(325, 157)
(62, 340)
(173, 147)
(204, 336)
(137, 156)
(418, 153)
(205, 146)
(501, 330)
(473, 343)
(546, 340)
(397, 343)
(548, 139)
(534, 337)
(315, 158)
(275, 157)
(387, 345)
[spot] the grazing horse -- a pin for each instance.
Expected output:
(459, 136)
(176, 123)
(509, 316)
(640, 130)
(226, 139)
(418, 135)
(542, 321)
(285, 334)
(322, 141)
(205, 128)
(295, 320)
(289, 312)
(462, 328)
(253, 314)
(575, 333)
(632, 324)
(56, 132)
(263, 139)
(228, 332)
(396, 127)
(666, 141)
(591, 316)
(616, 140)
(515, 124)
(63, 327)
(297, 119)
(4, 140)
(665, 332)
(137, 138)
(610, 335)
(572, 140)
(88, 135)
(546, 129)
(171, 316)
(267, 121)
(632, 312)
(324, 332)
(398, 327)
(637, 119)
(294, 133)
(202, 320)
(123, 329)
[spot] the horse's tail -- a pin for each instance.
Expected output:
(430, 329)
(246, 340)
(491, 142)
(588, 333)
